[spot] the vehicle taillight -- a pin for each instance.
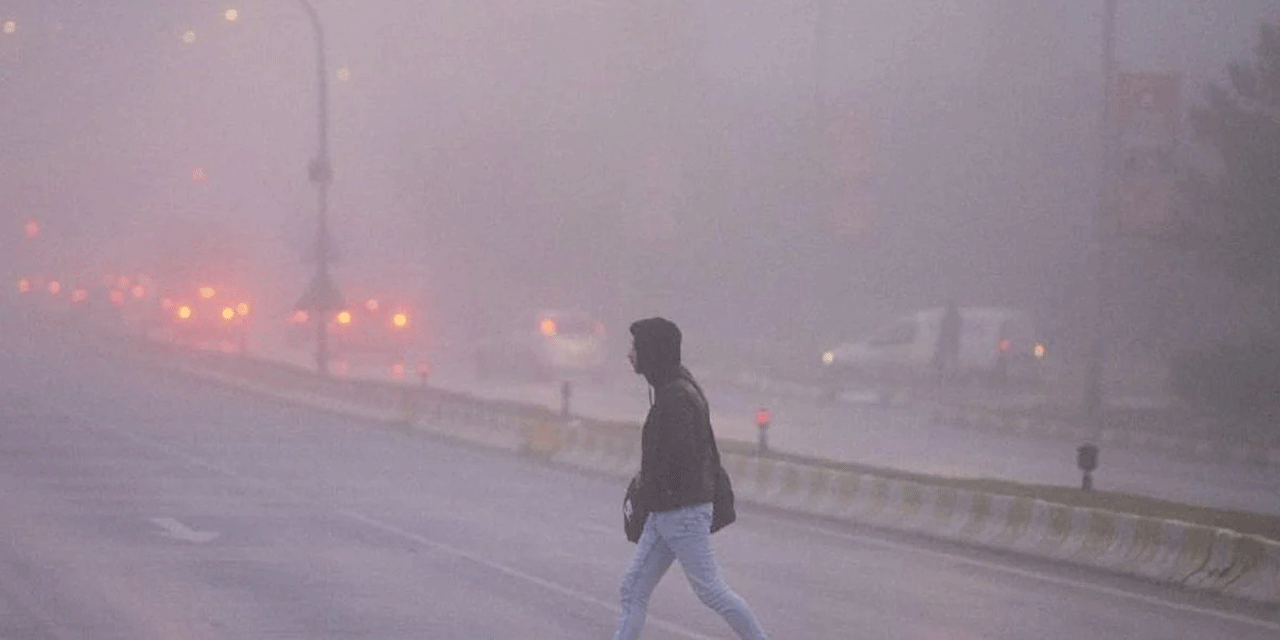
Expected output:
(138, 291)
(79, 295)
(400, 320)
(1004, 345)
(166, 304)
(117, 296)
(548, 327)
(122, 282)
(299, 316)
(371, 305)
(207, 292)
(599, 327)
(242, 308)
(24, 286)
(55, 288)
(344, 317)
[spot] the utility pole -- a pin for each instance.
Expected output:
(819, 169)
(1103, 227)
(821, 35)
(320, 171)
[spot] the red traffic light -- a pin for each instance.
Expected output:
(763, 417)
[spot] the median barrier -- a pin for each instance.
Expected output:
(1197, 557)
(1257, 574)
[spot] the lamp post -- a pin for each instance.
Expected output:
(320, 171)
(1103, 227)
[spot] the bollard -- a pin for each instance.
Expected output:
(1087, 461)
(566, 391)
(424, 372)
(763, 417)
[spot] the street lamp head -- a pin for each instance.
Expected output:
(189, 37)
(231, 15)
(344, 74)
(10, 26)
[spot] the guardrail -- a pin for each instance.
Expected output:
(1168, 551)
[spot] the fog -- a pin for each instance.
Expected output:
(629, 161)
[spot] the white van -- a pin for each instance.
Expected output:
(996, 344)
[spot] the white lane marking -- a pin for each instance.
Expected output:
(195, 460)
(516, 573)
(178, 531)
(1026, 573)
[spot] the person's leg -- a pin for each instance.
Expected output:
(652, 559)
(687, 532)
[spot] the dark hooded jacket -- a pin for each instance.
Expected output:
(676, 467)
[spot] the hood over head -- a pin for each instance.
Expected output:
(657, 345)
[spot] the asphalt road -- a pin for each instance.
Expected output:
(140, 505)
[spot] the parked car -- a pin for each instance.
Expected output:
(996, 345)
(543, 345)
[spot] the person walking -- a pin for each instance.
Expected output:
(946, 356)
(676, 487)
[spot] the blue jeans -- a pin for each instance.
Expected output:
(680, 534)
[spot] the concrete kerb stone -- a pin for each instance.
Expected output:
(1193, 546)
(845, 494)
(1212, 574)
(872, 499)
(918, 502)
(1112, 539)
(946, 511)
(1257, 574)
(1005, 525)
(786, 488)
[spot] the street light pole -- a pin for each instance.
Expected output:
(1104, 224)
(821, 26)
(320, 172)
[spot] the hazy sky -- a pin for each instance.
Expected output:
(596, 154)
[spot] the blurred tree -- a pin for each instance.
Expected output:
(1238, 209)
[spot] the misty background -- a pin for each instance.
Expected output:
(629, 158)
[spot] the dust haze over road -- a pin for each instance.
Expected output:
(629, 159)
(619, 159)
